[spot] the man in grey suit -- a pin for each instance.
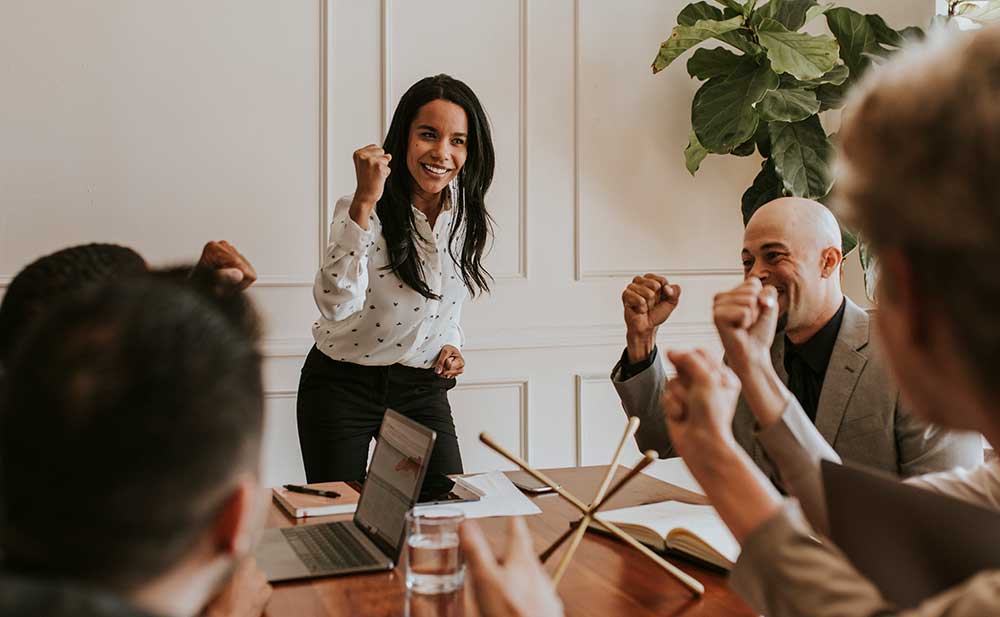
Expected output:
(823, 353)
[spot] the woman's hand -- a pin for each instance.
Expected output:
(700, 403)
(371, 166)
(450, 362)
(511, 585)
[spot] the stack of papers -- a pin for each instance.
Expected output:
(500, 498)
(674, 471)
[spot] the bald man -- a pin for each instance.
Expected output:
(822, 352)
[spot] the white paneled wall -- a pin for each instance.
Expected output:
(164, 124)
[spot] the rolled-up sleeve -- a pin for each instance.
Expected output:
(339, 289)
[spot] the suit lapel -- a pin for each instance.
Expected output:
(843, 372)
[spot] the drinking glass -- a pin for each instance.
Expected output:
(434, 561)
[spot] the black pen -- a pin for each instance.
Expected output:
(311, 491)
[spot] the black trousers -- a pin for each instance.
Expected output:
(340, 408)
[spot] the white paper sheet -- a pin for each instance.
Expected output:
(674, 471)
(500, 498)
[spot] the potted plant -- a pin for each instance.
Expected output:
(766, 86)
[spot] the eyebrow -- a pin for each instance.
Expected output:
(774, 245)
(427, 126)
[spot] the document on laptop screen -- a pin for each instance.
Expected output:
(392, 482)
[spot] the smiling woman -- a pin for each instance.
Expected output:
(405, 251)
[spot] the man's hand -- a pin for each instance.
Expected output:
(746, 318)
(231, 268)
(245, 595)
(648, 301)
(699, 404)
(512, 586)
(371, 166)
(450, 362)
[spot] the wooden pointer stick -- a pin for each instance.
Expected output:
(630, 429)
(648, 458)
(689, 582)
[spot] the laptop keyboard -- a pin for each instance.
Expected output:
(328, 546)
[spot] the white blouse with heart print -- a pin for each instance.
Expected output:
(368, 315)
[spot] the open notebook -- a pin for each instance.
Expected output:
(690, 530)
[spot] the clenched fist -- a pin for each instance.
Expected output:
(371, 166)
(648, 301)
(746, 318)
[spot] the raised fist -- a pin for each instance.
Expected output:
(371, 165)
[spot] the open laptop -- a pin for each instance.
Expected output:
(374, 539)
(910, 542)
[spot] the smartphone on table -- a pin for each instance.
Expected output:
(527, 483)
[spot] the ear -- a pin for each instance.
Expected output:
(897, 287)
(832, 260)
(235, 523)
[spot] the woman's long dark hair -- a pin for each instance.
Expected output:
(394, 208)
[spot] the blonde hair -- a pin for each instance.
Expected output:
(919, 171)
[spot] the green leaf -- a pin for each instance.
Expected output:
(816, 11)
(788, 105)
(836, 76)
(789, 13)
(697, 11)
(684, 38)
(831, 96)
(732, 4)
(723, 114)
(766, 187)
(848, 241)
(694, 154)
(740, 39)
(856, 37)
(802, 154)
(869, 265)
(763, 139)
(709, 63)
(983, 14)
(883, 33)
(801, 55)
(745, 149)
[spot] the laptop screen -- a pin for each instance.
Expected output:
(394, 477)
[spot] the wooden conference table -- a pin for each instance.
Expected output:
(606, 577)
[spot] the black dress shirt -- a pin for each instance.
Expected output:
(806, 363)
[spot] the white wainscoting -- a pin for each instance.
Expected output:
(164, 124)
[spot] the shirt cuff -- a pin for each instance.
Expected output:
(624, 371)
(351, 237)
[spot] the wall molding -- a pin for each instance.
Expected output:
(580, 381)
(524, 403)
(580, 273)
(537, 337)
(386, 109)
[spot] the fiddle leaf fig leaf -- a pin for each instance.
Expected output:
(856, 37)
(791, 105)
(723, 113)
(766, 186)
(802, 154)
(694, 154)
(684, 38)
(709, 63)
(697, 11)
(789, 13)
(802, 56)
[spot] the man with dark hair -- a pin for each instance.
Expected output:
(130, 443)
(70, 269)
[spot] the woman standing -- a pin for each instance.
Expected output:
(405, 250)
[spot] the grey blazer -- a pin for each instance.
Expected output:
(858, 412)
